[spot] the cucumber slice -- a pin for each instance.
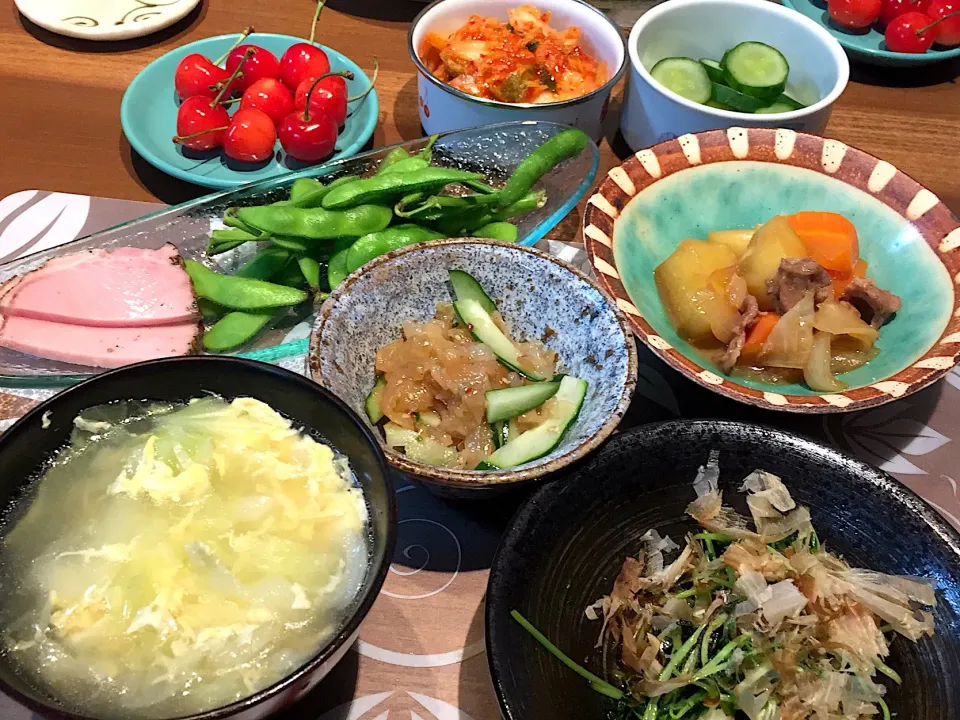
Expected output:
(481, 325)
(718, 105)
(686, 77)
(736, 101)
(372, 404)
(757, 69)
(417, 447)
(428, 418)
(539, 441)
(510, 402)
(713, 68)
(786, 99)
(777, 107)
(498, 431)
(465, 287)
(400, 437)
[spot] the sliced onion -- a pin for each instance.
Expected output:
(722, 316)
(818, 371)
(840, 318)
(790, 341)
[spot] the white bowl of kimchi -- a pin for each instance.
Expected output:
(489, 61)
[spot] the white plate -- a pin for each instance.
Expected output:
(105, 19)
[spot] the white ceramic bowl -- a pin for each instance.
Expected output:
(444, 108)
(706, 29)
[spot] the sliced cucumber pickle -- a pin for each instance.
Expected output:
(756, 69)
(736, 100)
(687, 78)
(713, 68)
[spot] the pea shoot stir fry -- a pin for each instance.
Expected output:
(311, 241)
(763, 623)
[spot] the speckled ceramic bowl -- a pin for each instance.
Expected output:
(535, 294)
(733, 178)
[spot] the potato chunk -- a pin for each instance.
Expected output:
(737, 240)
(682, 284)
(772, 242)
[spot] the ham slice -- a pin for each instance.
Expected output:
(127, 287)
(102, 308)
(97, 346)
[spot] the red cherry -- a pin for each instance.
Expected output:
(250, 137)
(923, 6)
(200, 125)
(302, 61)
(308, 136)
(946, 13)
(854, 14)
(270, 96)
(910, 33)
(891, 9)
(197, 75)
(261, 64)
(329, 96)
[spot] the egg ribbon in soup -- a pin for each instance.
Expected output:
(182, 559)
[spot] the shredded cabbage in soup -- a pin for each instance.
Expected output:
(182, 559)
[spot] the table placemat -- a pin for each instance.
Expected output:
(420, 655)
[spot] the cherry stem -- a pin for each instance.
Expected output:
(373, 81)
(243, 36)
(180, 138)
(316, 18)
(236, 73)
(231, 101)
(936, 22)
(346, 74)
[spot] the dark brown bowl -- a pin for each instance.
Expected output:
(26, 446)
(565, 547)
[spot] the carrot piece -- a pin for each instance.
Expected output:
(829, 237)
(842, 279)
(758, 335)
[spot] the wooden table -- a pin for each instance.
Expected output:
(421, 651)
(60, 121)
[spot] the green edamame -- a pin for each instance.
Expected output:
(314, 197)
(560, 147)
(407, 165)
(291, 243)
(379, 243)
(209, 310)
(393, 157)
(240, 293)
(337, 268)
(317, 223)
(231, 219)
(303, 187)
(310, 269)
(476, 217)
(387, 188)
(224, 239)
(234, 329)
(506, 231)
(265, 264)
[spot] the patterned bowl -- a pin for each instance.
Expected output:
(539, 296)
(739, 178)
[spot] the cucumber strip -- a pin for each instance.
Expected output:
(713, 68)
(786, 99)
(736, 100)
(372, 403)
(777, 107)
(497, 431)
(428, 418)
(686, 77)
(401, 437)
(539, 441)
(510, 402)
(482, 327)
(756, 69)
(465, 287)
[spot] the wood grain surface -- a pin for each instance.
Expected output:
(60, 122)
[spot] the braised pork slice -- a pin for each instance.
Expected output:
(795, 278)
(748, 316)
(874, 304)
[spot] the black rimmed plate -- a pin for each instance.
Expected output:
(565, 547)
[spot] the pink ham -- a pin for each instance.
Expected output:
(97, 346)
(127, 287)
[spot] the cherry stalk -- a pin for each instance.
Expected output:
(248, 30)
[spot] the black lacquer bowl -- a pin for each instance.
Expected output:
(26, 446)
(565, 547)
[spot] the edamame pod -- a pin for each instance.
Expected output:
(560, 147)
(314, 197)
(234, 329)
(302, 187)
(317, 223)
(310, 269)
(406, 165)
(379, 243)
(337, 268)
(392, 158)
(505, 231)
(387, 188)
(265, 264)
(240, 293)
(224, 239)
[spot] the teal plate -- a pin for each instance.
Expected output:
(148, 115)
(868, 47)
(738, 178)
